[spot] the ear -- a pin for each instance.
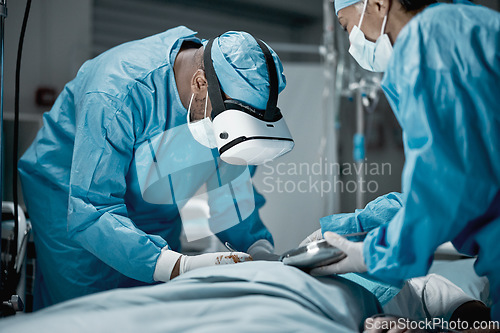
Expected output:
(379, 7)
(199, 84)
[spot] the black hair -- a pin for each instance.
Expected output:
(414, 5)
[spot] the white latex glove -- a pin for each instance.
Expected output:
(317, 235)
(168, 258)
(188, 263)
(353, 263)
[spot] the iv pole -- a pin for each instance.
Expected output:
(329, 143)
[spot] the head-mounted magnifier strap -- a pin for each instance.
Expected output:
(272, 102)
(214, 91)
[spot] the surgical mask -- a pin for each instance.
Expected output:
(371, 56)
(202, 130)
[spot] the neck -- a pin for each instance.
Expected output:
(397, 20)
(184, 69)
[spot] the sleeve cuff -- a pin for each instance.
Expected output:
(440, 297)
(165, 264)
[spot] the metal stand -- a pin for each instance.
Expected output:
(14, 303)
(3, 16)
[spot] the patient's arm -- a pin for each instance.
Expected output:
(428, 298)
(472, 311)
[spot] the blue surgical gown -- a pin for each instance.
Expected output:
(93, 228)
(443, 84)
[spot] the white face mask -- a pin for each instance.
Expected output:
(202, 130)
(371, 56)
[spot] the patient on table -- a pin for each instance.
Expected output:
(253, 296)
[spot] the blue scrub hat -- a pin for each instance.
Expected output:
(241, 68)
(341, 4)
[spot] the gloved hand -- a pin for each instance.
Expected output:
(317, 235)
(188, 263)
(171, 264)
(263, 250)
(353, 263)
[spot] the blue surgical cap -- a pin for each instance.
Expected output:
(241, 68)
(341, 4)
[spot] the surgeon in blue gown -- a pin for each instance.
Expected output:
(100, 218)
(442, 80)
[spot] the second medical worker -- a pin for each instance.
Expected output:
(442, 74)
